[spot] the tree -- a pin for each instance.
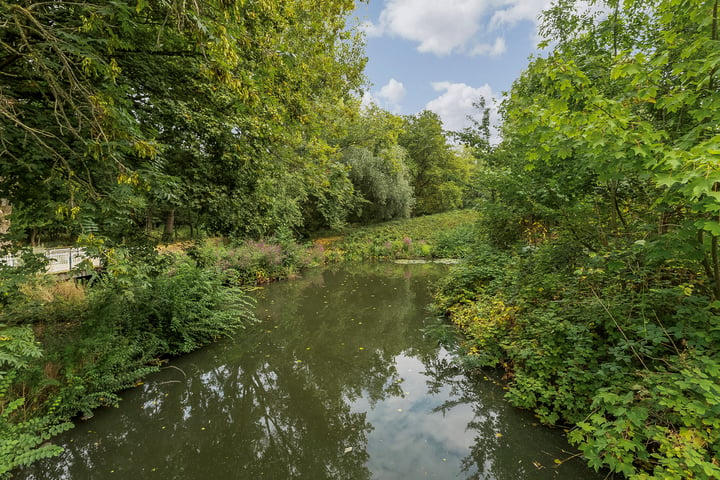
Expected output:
(611, 144)
(131, 107)
(382, 181)
(476, 136)
(440, 178)
(376, 165)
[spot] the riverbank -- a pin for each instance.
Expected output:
(620, 353)
(67, 348)
(338, 376)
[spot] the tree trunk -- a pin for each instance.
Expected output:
(169, 232)
(5, 211)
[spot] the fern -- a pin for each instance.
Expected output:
(102, 344)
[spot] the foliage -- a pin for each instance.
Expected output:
(256, 262)
(431, 236)
(603, 191)
(184, 309)
(22, 441)
(456, 241)
(68, 349)
(114, 115)
(673, 413)
(383, 182)
(440, 176)
(584, 341)
(366, 146)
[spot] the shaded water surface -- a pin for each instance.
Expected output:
(336, 382)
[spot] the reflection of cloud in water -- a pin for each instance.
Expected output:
(414, 441)
(368, 380)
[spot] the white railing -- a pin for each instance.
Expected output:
(62, 260)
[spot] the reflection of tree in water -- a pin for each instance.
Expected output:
(274, 403)
(508, 444)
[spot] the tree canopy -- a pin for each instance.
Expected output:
(111, 110)
(603, 198)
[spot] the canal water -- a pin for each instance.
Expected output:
(337, 381)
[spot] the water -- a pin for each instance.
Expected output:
(336, 382)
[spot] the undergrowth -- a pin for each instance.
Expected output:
(442, 235)
(66, 348)
(616, 347)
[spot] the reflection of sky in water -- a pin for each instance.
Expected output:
(330, 387)
(409, 439)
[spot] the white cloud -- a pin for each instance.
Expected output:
(493, 50)
(453, 26)
(456, 103)
(438, 27)
(370, 29)
(393, 92)
(518, 10)
(388, 97)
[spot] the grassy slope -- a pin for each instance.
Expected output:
(431, 236)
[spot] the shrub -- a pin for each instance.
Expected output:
(71, 350)
(614, 343)
(22, 439)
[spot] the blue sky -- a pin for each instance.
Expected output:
(442, 55)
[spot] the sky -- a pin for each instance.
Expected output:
(442, 55)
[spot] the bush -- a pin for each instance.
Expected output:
(22, 439)
(457, 242)
(70, 349)
(613, 343)
(187, 308)
(418, 237)
(254, 262)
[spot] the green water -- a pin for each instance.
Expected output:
(336, 382)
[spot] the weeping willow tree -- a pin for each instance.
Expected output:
(382, 181)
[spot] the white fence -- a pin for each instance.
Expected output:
(62, 260)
